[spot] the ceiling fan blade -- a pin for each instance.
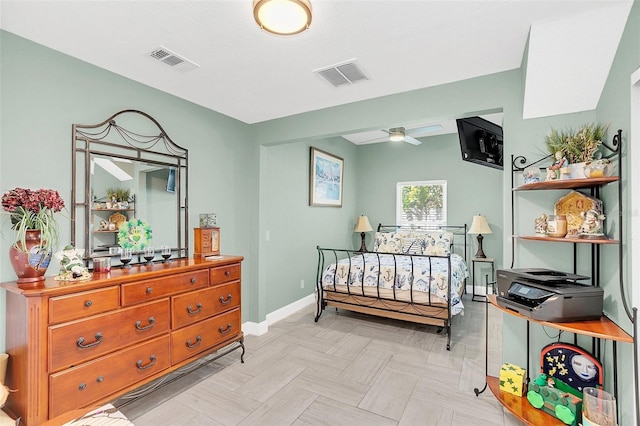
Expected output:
(376, 140)
(424, 130)
(412, 141)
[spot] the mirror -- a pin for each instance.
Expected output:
(129, 189)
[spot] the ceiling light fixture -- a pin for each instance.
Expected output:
(396, 134)
(282, 17)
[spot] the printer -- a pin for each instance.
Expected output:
(547, 295)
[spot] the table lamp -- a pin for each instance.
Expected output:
(480, 226)
(363, 226)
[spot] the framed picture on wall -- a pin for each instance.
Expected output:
(326, 173)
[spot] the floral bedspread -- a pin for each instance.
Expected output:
(417, 273)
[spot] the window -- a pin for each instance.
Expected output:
(421, 203)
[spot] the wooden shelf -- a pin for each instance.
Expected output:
(567, 183)
(106, 232)
(520, 407)
(567, 240)
(113, 210)
(602, 328)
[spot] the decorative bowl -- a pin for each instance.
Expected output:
(598, 169)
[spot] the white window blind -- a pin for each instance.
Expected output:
(421, 203)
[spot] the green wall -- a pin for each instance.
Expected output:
(381, 166)
(44, 92)
(294, 227)
(256, 177)
(614, 108)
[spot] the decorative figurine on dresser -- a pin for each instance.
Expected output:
(71, 265)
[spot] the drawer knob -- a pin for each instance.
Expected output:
(82, 386)
(149, 290)
(196, 343)
(152, 322)
(100, 379)
(193, 280)
(88, 303)
(151, 363)
(225, 330)
(226, 302)
(198, 309)
(96, 342)
(227, 273)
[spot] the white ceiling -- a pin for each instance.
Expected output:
(401, 46)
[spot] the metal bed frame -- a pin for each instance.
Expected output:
(430, 312)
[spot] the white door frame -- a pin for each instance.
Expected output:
(634, 185)
(634, 179)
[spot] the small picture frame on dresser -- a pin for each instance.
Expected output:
(206, 241)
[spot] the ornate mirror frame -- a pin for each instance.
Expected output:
(143, 143)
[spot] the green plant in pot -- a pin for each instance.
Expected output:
(37, 232)
(119, 195)
(577, 146)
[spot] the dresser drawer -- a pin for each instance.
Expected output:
(84, 304)
(80, 386)
(161, 287)
(196, 338)
(192, 307)
(205, 241)
(81, 340)
(223, 274)
(195, 306)
(226, 296)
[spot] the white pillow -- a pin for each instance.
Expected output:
(388, 242)
(438, 243)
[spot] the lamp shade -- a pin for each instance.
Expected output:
(282, 17)
(480, 225)
(363, 225)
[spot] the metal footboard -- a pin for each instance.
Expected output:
(357, 291)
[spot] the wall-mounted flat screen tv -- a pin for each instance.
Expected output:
(481, 141)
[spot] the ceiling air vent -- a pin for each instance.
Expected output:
(172, 59)
(342, 74)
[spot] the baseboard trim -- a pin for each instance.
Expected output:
(260, 328)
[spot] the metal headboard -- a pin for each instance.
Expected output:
(459, 232)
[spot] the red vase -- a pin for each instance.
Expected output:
(30, 267)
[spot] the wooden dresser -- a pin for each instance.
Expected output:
(78, 344)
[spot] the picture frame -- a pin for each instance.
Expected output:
(326, 176)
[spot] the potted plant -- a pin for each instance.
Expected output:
(118, 197)
(37, 232)
(577, 147)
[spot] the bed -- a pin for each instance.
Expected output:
(414, 274)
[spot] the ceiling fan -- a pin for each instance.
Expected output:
(399, 134)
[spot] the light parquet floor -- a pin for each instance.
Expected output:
(347, 369)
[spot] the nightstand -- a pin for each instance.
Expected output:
(206, 242)
(481, 260)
